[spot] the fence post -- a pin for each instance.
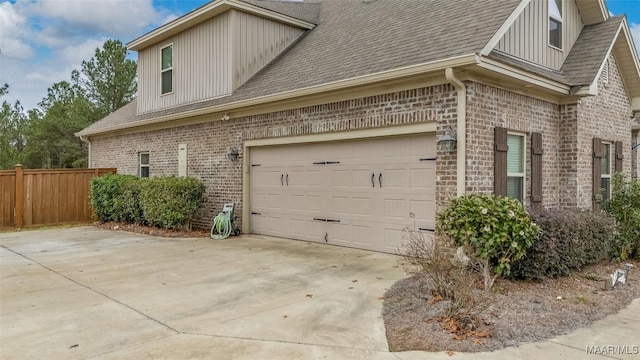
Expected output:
(19, 197)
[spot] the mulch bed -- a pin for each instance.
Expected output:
(519, 311)
(153, 231)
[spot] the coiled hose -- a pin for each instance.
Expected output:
(221, 228)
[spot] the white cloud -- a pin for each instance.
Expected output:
(11, 23)
(42, 41)
(122, 18)
(635, 32)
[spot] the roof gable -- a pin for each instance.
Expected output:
(217, 7)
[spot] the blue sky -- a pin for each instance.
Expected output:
(42, 41)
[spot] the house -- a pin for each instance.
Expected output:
(330, 121)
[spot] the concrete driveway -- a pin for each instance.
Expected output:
(87, 293)
(91, 293)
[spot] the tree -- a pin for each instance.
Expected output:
(52, 143)
(13, 126)
(108, 79)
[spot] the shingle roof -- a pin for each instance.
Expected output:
(355, 38)
(583, 62)
(308, 10)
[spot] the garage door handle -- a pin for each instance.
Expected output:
(373, 180)
(380, 179)
(428, 230)
(332, 221)
(287, 179)
(282, 179)
(255, 213)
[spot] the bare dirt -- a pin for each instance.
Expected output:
(518, 311)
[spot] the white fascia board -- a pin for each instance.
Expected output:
(519, 74)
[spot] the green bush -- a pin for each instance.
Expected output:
(128, 204)
(171, 202)
(569, 240)
(106, 196)
(624, 206)
(495, 230)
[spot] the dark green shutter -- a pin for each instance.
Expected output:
(597, 173)
(500, 161)
(536, 168)
(619, 156)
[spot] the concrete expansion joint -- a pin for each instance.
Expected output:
(286, 342)
(91, 289)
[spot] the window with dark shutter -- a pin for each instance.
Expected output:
(500, 161)
(536, 168)
(597, 173)
(619, 156)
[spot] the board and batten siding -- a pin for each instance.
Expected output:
(257, 41)
(201, 67)
(211, 59)
(528, 37)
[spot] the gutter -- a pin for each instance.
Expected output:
(461, 132)
(86, 140)
(404, 72)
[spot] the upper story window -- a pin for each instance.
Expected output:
(555, 23)
(167, 69)
(515, 166)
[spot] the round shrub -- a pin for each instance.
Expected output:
(496, 229)
(170, 202)
(106, 196)
(569, 240)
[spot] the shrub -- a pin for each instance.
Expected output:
(130, 210)
(106, 196)
(449, 278)
(494, 230)
(569, 240)
(624, 206)
(171, 202)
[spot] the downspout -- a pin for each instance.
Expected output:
(88, 142)
(461, 133)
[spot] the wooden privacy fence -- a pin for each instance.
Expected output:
(45, 197)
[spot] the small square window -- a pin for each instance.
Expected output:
(144, 164)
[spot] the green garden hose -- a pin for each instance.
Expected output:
(221, 228)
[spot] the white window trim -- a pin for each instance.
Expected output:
(167, 69)
(610, 174)
(141, 165)
(560, 19)
(522, 175)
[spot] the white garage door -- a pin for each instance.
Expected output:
(350, 193)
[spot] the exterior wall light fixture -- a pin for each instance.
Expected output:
(232, 154)
(447, 142)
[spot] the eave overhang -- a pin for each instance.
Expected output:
(207, 12)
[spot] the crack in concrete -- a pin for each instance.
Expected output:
(93, 290)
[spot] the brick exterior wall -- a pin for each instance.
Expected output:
(207, 143)
(606, 116)
(567, 132)
(488, 107)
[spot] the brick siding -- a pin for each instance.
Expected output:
(567, 132)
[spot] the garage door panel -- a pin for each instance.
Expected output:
(370, 216)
